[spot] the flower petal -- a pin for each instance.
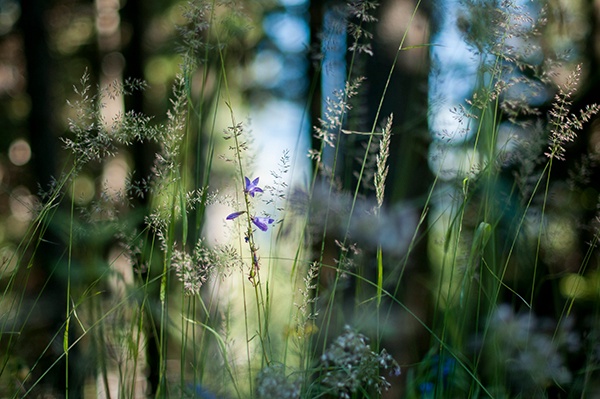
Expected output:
(252, 186)
(262, 222)
(234, 215)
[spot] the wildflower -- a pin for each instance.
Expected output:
(438, 369)
(198, 391)
(426, 388)
(262, 222)
(234, 215)
(350, 365)
(252, 187)
(259, 221)
(273, 383)
(536, 348)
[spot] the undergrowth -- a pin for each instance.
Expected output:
(303, 290)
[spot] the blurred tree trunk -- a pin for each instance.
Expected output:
(43, 140)
(316, 14)
(409, 177)
(39, 76)
(134, 17)
(581, 168)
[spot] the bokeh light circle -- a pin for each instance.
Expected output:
(19, 152)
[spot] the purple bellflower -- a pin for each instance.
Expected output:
(259, 221)
(252, 187)
(234, 215)
(262, 222)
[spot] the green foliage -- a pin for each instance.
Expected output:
(481, 287)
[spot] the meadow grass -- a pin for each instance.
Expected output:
(304, 287)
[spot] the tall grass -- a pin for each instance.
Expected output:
(304, 291)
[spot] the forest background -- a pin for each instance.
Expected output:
(299, 199)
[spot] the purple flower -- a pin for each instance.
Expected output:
(234, 215)
(262, 222)
(252, 186)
